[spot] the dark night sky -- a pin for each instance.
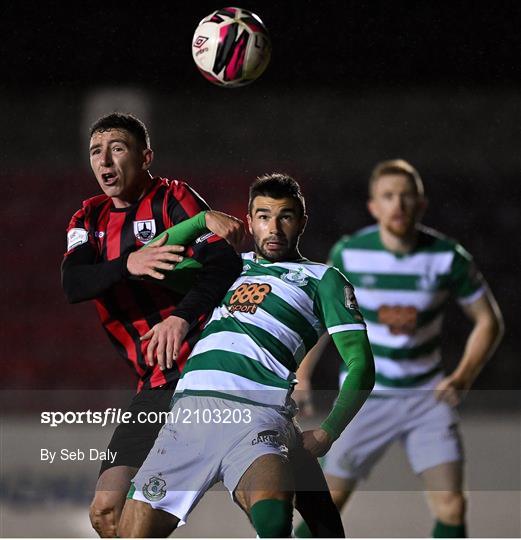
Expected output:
(348, 44)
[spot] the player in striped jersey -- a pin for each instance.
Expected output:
(405, 274)
(244, 364)
(143, 319)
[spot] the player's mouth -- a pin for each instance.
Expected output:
(109, 179)
(275, 245)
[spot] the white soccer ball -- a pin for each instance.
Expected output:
(231, 47)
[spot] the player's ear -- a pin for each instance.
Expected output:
(303, 223)
(248, 220)
(371, 206)
(148, 157)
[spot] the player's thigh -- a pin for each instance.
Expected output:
(364, 441)
(112, 488)
(140, 520)
(432, 438)
(268, 477)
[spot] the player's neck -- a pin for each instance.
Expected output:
(132, 197)
(399, 244)
(290, 257)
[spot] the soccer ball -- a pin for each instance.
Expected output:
(231, 47)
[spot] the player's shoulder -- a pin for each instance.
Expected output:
(365, 238)
(90, 205)
(433, 241)
(95, 202)
(175, 185)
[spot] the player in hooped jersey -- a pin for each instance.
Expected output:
(404, 275)
(153, 327)
(231, 418)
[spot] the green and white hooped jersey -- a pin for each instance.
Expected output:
(402, 299)
(270, 318)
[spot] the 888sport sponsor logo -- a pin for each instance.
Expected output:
(248, 296)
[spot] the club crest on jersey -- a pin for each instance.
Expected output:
(154, 489)
(295, 277)
(145, 230)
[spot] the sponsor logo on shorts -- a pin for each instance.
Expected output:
(145, 230)
(154, 489)
(295, 277)
(270, 437)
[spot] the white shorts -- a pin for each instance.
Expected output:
(427, 428)
(207, 440)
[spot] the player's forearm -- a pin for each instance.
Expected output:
(184, 232)
(356, 352)
(84, 280)
(481, 343)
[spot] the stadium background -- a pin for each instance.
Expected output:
(349, 84)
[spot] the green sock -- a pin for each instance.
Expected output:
(302, 531)
(272, 518)
(442, 530)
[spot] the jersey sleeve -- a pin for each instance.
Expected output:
(335, 304)
(78, 232)
(336, 307)
(467, 282)
(84, 277)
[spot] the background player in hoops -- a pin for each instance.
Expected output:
(404, 274)
(143, 320)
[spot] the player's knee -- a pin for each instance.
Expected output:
(104, 514)
(272, 518)
(450, 506)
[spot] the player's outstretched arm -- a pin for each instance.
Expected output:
(86, 278)
(355, 351)
(482, 342)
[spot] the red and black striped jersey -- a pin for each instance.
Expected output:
(100, 239)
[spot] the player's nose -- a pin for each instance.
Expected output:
(106, 157)
(275, 226)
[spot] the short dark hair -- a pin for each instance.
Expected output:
(396, 166)
(128, 122)
(277, 186)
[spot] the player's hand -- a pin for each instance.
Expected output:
(154, 259)
(317, 442)
(166, 339)
(228, 227)
(302, 397)
(452, 389)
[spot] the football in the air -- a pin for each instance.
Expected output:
(231, 47)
